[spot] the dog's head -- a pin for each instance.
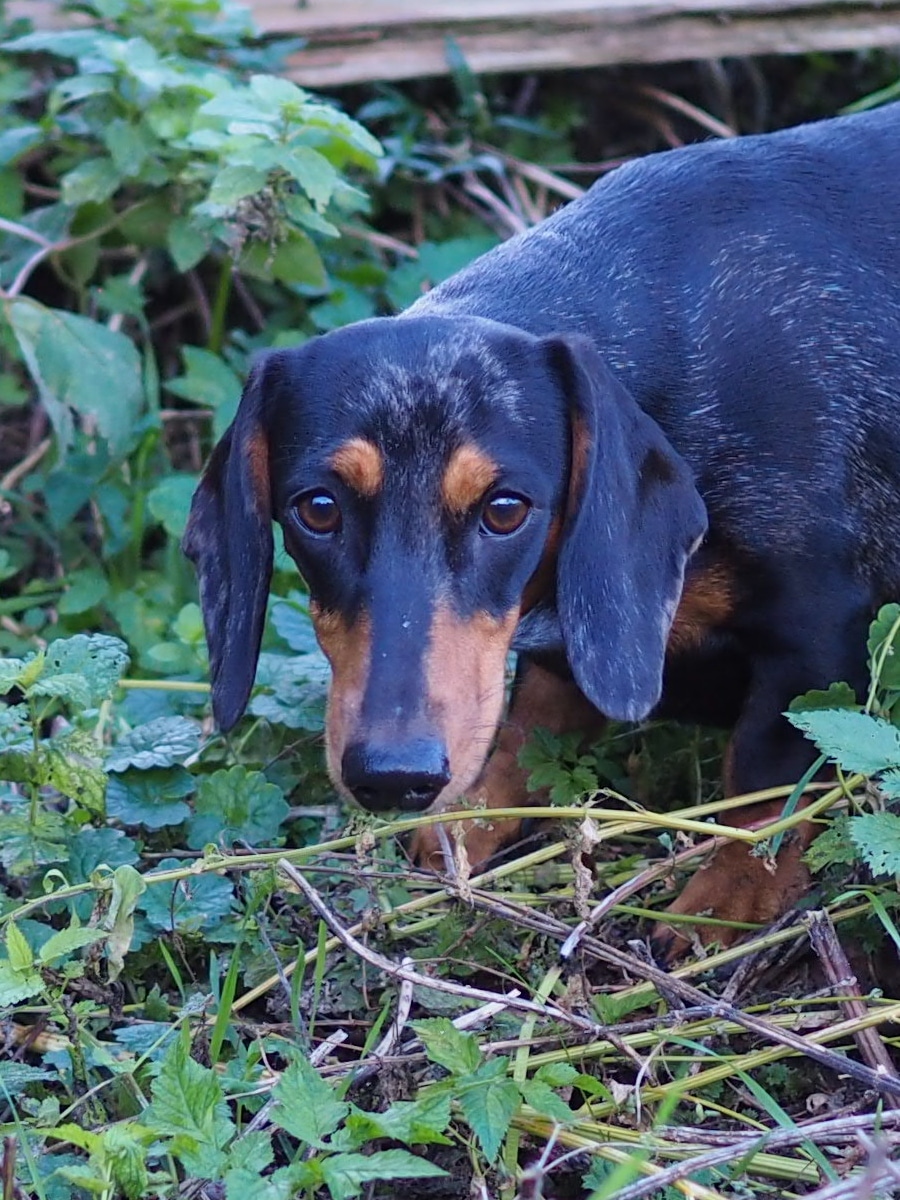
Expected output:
(438, 479)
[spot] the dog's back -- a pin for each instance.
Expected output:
(747, 292)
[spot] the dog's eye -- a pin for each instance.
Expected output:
(318, 512)
(504, 512)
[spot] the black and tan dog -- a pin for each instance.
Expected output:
(653, 445)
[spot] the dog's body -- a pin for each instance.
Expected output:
(705, 346)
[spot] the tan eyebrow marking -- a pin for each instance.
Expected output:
(469, 474)
(361, 466)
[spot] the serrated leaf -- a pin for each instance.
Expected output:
(125, 1155)
(153, 798)
(346, 1174)
(83, 669)
(196, 903)
(879, 631)
(16, 1076)
(64, 767)
(80, 365)
(833, 847)
(17, 949)
(544, 1100)
(236, 805)
(163, 742)
(306, 1106)
(188, 1105)
(559, 1074)
(65, 942)
(415, 1122)
(236, 181)
(855, 740)
(16, 986)
(188, 242)
(877, 838)
(170, 502)
(207, 380)
(313, 172)
(447, 1046)
(251, 1152)
(889, 783)
(489, 1101)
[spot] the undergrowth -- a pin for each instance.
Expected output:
(214, 980)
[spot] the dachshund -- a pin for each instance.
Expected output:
(652, 445)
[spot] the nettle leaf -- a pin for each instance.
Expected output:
(236, 181)
(70, 765)
(188, 1105)
(855, 740)
(163, 742)
(415, 1122)
(80, 365)
(18, 951)
(889, 783)
(191, 905)
(16, 986)
(236, 805)
(313, 172)
(16, 1076)
(833, 847)
(489, 1101)
(207, 380)
(559, 1074)
(306, 1106)
(544, 1100)
(447, 1046)
(65, 942)
(153, 798)
(189, 241)
(346, 1174)
(877, 838)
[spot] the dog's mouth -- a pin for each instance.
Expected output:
(427, 748)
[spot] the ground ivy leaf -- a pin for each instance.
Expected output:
(162, 742)
(152, 798)
(447, 1046)
(236, 805)
(307, 1107)
(855, 740)
(877, 837)
(346, 1174)
(192, 904)
(489, 1101)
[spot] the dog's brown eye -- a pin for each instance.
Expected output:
(505, 512)
(318, 512)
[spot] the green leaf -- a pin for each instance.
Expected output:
(197, 903)
(188, 1106)
(92, 181)
(208, 380)
(297, 261)
(346, 1174)
(306, 1106)
(489, 1101)
(16, 1076)
(81, 366)
(877, 838)
(65, 942)
(153, 798)
(188, 241)
(128, 887)
(313, 172)
(236, 805)
(544, 1100)
(162, 742)
(855, 740)
(833, 847)
(125, 1156)
(251, 1152)
(170, 502)
(415, 1122)
(236, 181)
(69, 764)
(836, 695)
(879, 632)
(84, 591)
(17, 948)
(447, 1046)
(559, 1074)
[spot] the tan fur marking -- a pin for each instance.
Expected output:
(469, 474)
(707, 601)
(256, 449)
(361, 466)
(541, 582)
(348, 649)
(540, 699)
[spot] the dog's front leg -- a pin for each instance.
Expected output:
(539, 699)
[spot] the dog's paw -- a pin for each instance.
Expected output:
(481, 840)
(734, 886)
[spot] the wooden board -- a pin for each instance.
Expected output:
(351, 41)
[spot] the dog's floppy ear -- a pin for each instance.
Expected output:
(634, 518)
(229, 538)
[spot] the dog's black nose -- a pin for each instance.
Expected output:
(408, 776)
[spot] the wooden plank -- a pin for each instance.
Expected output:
(352, 41)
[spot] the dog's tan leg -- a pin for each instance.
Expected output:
(540, 699)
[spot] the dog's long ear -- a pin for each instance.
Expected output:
(634, 518)
(229, 538)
